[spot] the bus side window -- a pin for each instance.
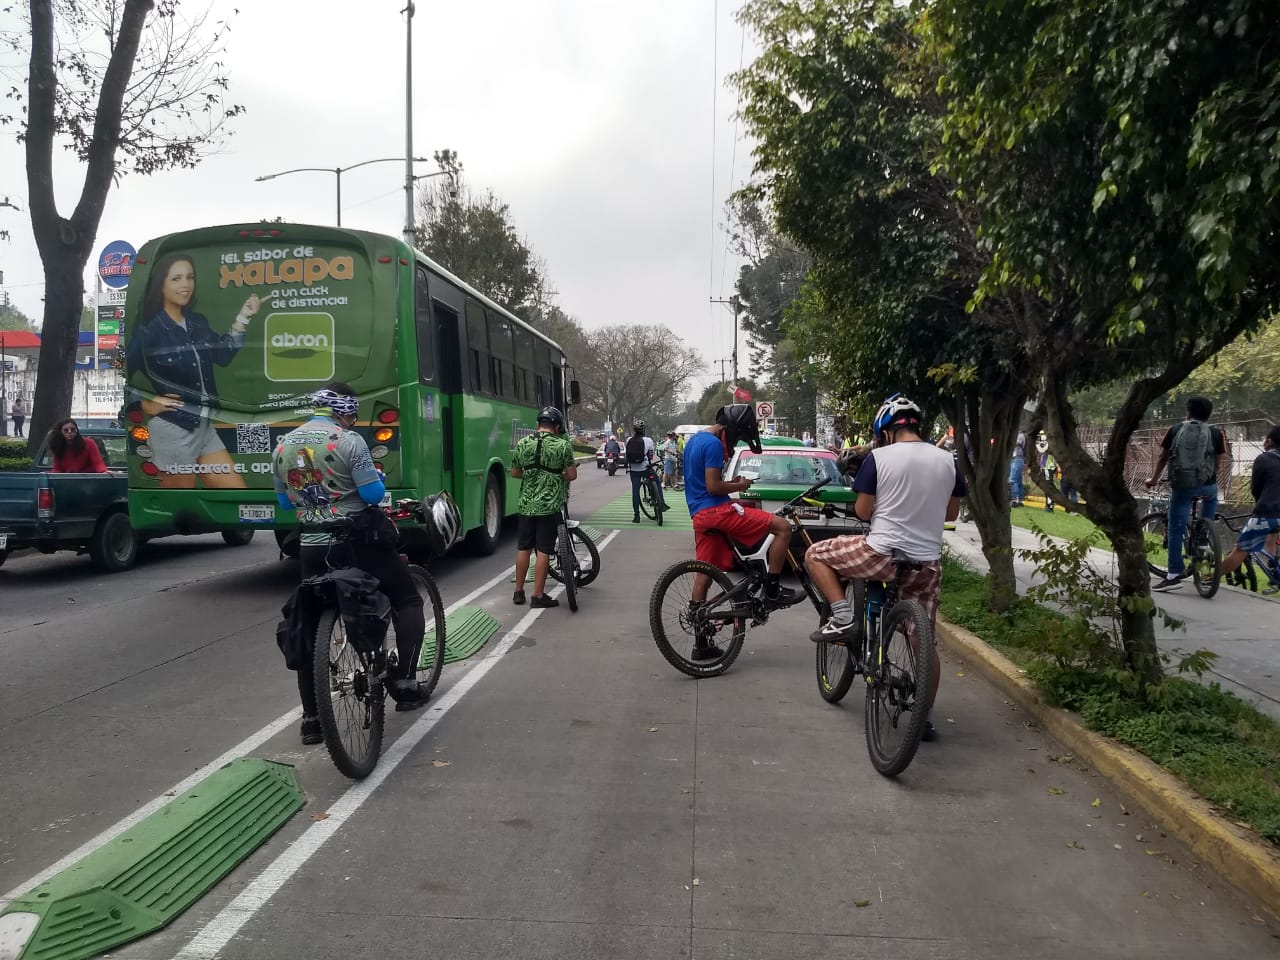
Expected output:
(502, 349)
(524, 363)
(422, 324)
(477, 345)
(450, 351)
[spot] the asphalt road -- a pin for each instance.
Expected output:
(568, 794)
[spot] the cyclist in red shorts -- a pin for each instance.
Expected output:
(714, 513)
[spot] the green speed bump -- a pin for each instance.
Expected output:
(147, 876)
(466, 630)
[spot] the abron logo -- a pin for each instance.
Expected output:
(304, 340)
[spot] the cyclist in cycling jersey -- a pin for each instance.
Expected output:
(907, 488)
(323, 470)
(543, 461)
(716, 516)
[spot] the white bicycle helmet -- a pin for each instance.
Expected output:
(341, 405)
(443, 522)
(897, 411)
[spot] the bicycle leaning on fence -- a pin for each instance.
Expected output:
(894, 649)
(1246, 575)
(1201, 553)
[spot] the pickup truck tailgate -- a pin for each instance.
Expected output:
(18, 499)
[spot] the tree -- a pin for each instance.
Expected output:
(841, 102)
(11, 318)
(636, 372)
(475, 238)
(129, 86)
(1126, 161)
(716, 396)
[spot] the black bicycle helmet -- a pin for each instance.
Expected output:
(739, 421)
(639, 426)
(551, 415)
(849, 462)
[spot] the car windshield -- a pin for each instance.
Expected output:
(786, 467)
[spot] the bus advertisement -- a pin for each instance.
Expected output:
(232, 328)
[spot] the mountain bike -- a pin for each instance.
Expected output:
(894, 649)
(651, 499)
(576, 552)
(351, 661)
(1201, 554)
(1246, 575)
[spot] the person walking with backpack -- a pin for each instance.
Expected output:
(1193, 451)
(640, 455)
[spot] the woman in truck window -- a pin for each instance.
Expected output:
(177, 348)
(72, 453)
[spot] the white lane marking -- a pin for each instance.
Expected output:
(251, 742)
(217, 933)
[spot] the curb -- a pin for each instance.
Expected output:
(1236, 853)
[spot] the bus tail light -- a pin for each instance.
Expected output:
(44, 503)
(150, 469)
(389, 415)
(135, 416)
(140, 434)
(378, 452)
(383, 434)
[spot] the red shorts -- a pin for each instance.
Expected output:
(747, 527)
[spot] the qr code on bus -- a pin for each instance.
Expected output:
(253, 438)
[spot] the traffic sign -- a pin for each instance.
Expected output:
(764, 410)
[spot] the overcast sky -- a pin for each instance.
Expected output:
(593, 119)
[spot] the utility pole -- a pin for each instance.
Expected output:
(410, 231)
(734, 303)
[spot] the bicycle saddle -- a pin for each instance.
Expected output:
(902, 560)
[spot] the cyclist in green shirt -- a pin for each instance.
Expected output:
(544, 463)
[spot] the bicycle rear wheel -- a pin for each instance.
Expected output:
(1204, 558)
(431, 658)
(898, 684)
(1155, 530)
(656, 489)
(588, 559)
(350, 700)
(837, 664)
(680, 629)
(647, 506)
(566, 559)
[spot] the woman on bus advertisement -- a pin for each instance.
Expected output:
(177, 349)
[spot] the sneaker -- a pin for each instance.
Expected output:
(311, 732)
(544, 601)
(707, 651)
(518, 598)
(930, 733)
(1168, 584)
(408, 694)
(636, 518)
(785, 597)
(832, 632)
(665, 507)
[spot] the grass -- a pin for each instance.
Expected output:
(1059, 523)
(1222, 747)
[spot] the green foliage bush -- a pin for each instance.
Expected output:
(14, 463)
(13, 448)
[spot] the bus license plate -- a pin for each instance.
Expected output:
(257, 513)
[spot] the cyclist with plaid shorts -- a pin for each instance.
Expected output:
(907, 489)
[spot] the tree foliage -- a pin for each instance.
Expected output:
(636, 372)
(129, 86)
(11, 318)
(1126, 161)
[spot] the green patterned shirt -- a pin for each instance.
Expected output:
(543, 489)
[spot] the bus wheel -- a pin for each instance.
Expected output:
(483, 540)
(239, 537)
(289, 542)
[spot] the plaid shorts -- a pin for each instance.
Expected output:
(853, 558)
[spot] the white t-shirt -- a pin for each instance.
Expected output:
(912, 484)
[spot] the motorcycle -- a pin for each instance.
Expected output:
(611, 463)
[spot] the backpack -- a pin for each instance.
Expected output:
(1191, 456)
(635, 450)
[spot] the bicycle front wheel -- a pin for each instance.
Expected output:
(431, 659)
(1204, 558)
(350, 700)
(701, 640)
(588, 559)
(566, 559)
(898, 683)
(1155, 530)
(838, 663)
(657, 500)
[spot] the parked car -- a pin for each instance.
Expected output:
(84, 512)
(784, 468)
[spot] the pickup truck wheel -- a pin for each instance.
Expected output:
(114, 545)
(238, 537)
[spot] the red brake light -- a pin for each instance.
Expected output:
(150, 469)
(377, 465)
(44, 502)
(404, 262)
(243, 234)
(390, 415)
(135, 416)
(384, 259)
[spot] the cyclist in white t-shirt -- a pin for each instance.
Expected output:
(908, 489)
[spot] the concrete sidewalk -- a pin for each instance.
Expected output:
(1239, 626)
(587, 801)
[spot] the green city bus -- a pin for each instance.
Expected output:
(231, 329)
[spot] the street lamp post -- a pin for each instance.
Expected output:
(339, 171)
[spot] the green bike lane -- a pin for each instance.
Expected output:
(582, 799)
